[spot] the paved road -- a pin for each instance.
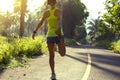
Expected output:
(80, 63)
(105, 65)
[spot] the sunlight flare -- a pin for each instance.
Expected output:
(6, 5)
(34, 4)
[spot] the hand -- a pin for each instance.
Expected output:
(33, 36)
(58, 32)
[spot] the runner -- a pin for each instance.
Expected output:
(55, 33)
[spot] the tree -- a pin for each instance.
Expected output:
(23, 10)
(6, 23)
(109, 24)
(92, 26)
(74, 13)
(112, 17)
(21, 13)
(80, 32)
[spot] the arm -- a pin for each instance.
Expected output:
(40, 23)
(42, 20)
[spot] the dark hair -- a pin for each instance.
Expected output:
(51, 1)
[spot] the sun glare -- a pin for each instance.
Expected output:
(6, 5)
(34, 4)
(96, 8)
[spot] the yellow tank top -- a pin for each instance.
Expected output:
(52, 23)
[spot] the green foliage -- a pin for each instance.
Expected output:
(92, 27)
(3, 40)
(16, 50)
(6, 50)
(70, 42)
(80, 33)
(112, 17)
(9, 24)
(109, 22)
(29, 47)
(105, 44)
(74, 13)
(116, 46)
(44, 48)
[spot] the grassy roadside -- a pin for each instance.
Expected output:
(15, 51)
(113, 45)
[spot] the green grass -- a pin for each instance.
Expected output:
(15, 51)
(104, 43)
(70, 42)
(116, 46)
(111, 45)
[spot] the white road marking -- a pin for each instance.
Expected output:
(87, 72)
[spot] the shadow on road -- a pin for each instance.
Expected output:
(86, 46)
(99, 59)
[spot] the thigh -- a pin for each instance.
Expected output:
(51, 48)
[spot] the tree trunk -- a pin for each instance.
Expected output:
(23, 10)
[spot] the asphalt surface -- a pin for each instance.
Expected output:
(105, 65)
(80, 63)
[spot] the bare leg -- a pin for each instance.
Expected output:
(51, 57)
(61, 47)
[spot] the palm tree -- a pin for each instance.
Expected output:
(93, 28)
(23, 10)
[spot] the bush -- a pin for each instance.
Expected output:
(26, 46)
(30, 47)
(6, 50)
(116, 46)
(44, 48)
(70, 42)
(16, 49)
(105, 44)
